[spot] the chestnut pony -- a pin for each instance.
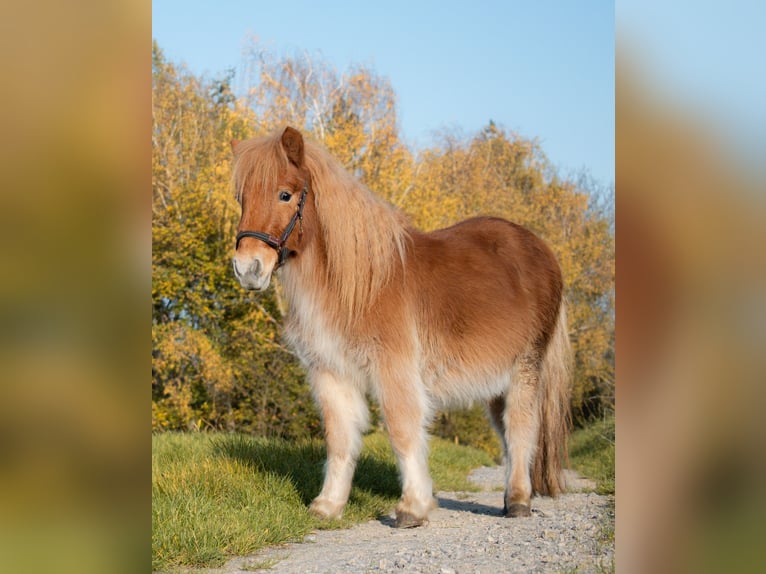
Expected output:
(419, 321)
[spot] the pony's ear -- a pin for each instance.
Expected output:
(292, 141)
(234, 144)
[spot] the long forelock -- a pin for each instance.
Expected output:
(257, 166)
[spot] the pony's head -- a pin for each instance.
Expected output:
(271, 182)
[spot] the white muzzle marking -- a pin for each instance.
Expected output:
(251, 273)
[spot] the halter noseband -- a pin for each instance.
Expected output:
(278, 244)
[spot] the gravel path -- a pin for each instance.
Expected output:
(466, 534)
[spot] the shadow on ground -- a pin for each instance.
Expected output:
(303, 464)
(469, 506)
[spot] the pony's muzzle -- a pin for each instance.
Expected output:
(250, 271)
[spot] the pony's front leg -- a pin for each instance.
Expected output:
(405, 411)
(345, 416)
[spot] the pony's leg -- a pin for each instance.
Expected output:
(522, 423)
(345, 416)
(496, 413)
(406, 419)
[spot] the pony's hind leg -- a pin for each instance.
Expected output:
(345, 416)
(496, 414)
(522, 422)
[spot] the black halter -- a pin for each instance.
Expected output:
(278, 244)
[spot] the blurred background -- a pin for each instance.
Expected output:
(76, 276)
(75, 118)
(691, 290)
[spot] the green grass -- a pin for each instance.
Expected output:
(591, 453)
(219, 495)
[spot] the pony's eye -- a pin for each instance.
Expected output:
(285, 196)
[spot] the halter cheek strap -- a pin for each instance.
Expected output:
(279, 244)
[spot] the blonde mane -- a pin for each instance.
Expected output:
(364, 236)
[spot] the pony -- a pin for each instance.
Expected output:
(418, 321)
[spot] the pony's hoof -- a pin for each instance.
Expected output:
(325, 509)
(517, 510)
(407, 520)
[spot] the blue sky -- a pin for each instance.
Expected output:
(543, 69)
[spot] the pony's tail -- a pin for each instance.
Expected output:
(555, 417)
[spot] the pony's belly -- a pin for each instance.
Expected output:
(461, 387)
